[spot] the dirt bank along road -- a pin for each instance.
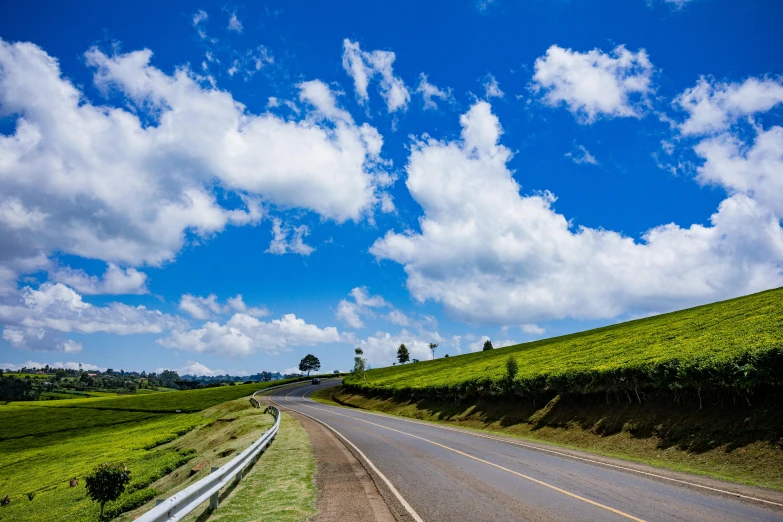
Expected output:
(386, 467)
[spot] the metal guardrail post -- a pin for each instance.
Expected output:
(214, 499)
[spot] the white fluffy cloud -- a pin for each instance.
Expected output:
(429, 92)
(381, 349)
(204, 308)
(37, 317)
(351, 312)
(130, 185)
(754, 171)
(714, 106)
(280, 243)
(594, 83)
(362, 66)
(115, 281)
(532, 329)
(243, 335)
(490, 254)
(744, 159)
(492, 88)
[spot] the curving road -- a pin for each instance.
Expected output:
(446, 474)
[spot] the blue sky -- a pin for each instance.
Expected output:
(366, 175)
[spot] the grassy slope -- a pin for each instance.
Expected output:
(717, 331)
(731, 434)
(280, 488)
(44, 444)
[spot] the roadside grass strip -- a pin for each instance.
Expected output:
(279, 488)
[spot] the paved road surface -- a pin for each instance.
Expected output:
(452, 475)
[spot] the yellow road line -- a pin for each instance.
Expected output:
(498, 466)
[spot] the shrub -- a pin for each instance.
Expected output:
(107, 483)
(130, 502)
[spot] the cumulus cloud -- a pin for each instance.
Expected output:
(492, 88)
(204, 308)
(363, 66)
(243, 335)
(280, 243)
(490, 254)
(351, 312)
(594, 83)
(131, 185)
(532, 329)
(713, 106)
(37, 317)
(429, 92)
(582, 155)
(381, 349)
(753, 170)
(115, 281)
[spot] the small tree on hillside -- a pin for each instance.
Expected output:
(359, 364)
(403, 355)
(487, 345)
(512, 367)
(432, 347)
(107, 483)
(309, 363)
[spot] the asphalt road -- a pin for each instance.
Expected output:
(453, 475)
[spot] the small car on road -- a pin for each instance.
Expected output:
(316, 381)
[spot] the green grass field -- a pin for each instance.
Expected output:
(43, 444)
(736, 344)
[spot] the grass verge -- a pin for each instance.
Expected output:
(279, 488)
(728, 444)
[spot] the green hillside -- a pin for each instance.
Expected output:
(735, 345)
(43, 444)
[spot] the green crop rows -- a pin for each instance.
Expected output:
(734, 345)
(44, 444)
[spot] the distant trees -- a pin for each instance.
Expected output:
(14, 389)
(403, 355)
(432, 348)
(106, 483)
(487, 345)
(168, 379)
(60, 374)
(309, 363)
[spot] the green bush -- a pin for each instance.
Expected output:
(129, 502)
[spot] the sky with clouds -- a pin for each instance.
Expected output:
(226, 187)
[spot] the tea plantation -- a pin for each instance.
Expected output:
(46, 443)
(733, 347)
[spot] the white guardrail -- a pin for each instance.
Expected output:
(177, 506)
